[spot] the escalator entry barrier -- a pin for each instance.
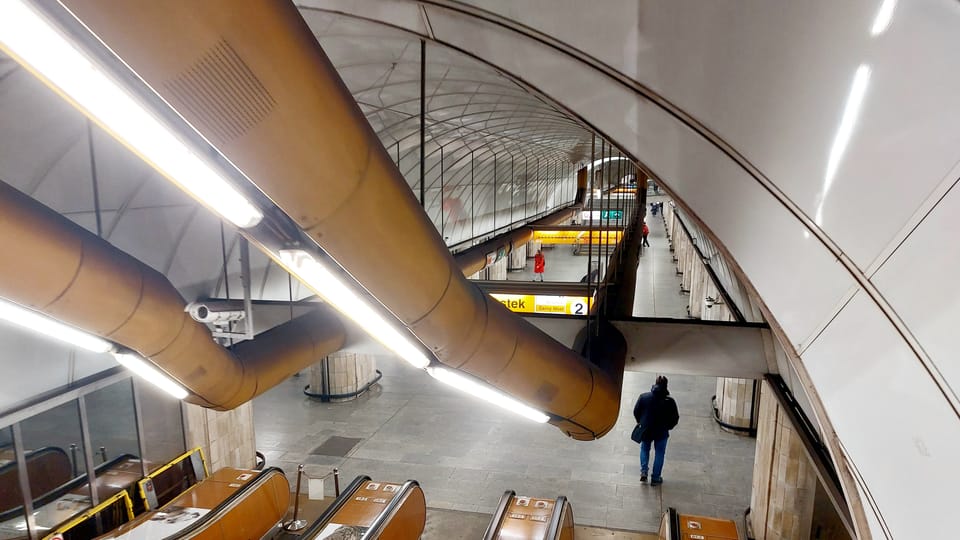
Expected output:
(369, 509)
(520, 518)
(677, 526)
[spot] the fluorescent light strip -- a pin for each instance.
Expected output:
(346, 301)
(36, 43)
(152, 375)
(32, 320)
(485, 392)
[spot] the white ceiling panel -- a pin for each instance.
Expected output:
(919, 281)
(898, 429)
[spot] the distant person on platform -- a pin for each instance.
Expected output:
(656, 414)
(646, 232)
(539, 264)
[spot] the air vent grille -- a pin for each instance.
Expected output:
(222, 94)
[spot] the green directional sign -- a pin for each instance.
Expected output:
(611, 214)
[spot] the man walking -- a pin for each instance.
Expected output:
(656, 414)
(646, 231)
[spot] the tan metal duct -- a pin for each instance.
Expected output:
(60, 269)
(250, 76)
(474, 259)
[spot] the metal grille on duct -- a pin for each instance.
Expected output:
(223, 92)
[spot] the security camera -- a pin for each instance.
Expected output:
(216, 313)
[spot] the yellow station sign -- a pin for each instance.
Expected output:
(577, 237)
(538, 303)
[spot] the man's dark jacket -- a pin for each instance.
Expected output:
(656, 412)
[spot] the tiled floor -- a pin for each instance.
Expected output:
(658, 286)
(465, 453)
(561, 265)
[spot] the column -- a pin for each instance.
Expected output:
(735, 404)
(517, 260)
(342, 376)
(497, 270)
(532, 247)
(226, 437)
(784, 481)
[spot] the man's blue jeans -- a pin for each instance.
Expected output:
(660, 447)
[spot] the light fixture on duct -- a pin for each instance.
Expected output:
(345, 300)
(149, 373)
(37, 322)
(43, 49)
(485, 392)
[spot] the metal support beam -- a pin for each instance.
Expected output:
(423, 116)
(245, 278)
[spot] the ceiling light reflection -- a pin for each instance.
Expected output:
(884, 16)
(851, 113)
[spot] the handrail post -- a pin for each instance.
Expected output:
(296, 524)
(336, 481)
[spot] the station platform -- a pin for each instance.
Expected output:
(465, 454)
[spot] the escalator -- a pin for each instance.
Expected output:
(366, 510)
(62, 503)
(47, 468)
(677, 526)
(529, 518)
(230, 504)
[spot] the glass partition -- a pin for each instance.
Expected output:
(112, 423)
(162, 426)
(12, 522)
(53, 448)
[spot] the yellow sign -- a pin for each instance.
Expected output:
(577, 237)
(557, 305)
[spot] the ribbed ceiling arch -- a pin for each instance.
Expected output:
(485, 135)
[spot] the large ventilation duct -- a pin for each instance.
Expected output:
(474, 259)
(58, 268)
(252, 79)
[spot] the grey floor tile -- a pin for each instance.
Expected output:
(466, 454)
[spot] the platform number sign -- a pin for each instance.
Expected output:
(578, 307)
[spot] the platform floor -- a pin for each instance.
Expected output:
(466, 453)
(658, 285)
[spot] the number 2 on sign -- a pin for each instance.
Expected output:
(578, 308)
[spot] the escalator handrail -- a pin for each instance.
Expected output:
(556, 519)
(497, 519)
(65, 488)
(389, 510)
(214, 515)
(31, 453)
(334, 507)
(673, 524)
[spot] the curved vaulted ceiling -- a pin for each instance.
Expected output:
(817, 142)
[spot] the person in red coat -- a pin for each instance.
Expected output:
(539, 263)
(645, 231)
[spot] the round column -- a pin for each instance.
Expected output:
(497, 270)
(342, 376)
(736, 405)
(517, 260)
